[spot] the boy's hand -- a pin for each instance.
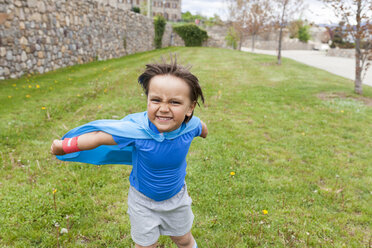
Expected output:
(204, 132)
(56, 148)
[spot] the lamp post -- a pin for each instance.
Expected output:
(149, 8)
(164, 8)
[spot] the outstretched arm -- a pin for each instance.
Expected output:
(204, 132)
(86, 141)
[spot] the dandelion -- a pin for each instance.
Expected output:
(55, 81)
(100, 106)
(14, 85)
(54, 191)
(342, 111)
(303, 133)
(28, 96)
(50, 88)
(54, 199)
(30, 86)
(69, 79)
(78, 95)
(37, 86)
(105, 90)
(232, 173)
(43, 108)
(9, 97)
(265, 211)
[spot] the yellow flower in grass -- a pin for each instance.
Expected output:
(78, 95)
(265, 211)
(342, 111)
(37, 86)
(28, 96)
(232, 173)
(9, 97)
(43, 108)
(14, 85)
(105, 90)
(54, 191)
(29, 86)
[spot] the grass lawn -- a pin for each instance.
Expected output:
(292, 140)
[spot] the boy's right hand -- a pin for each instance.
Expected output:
(56, 148)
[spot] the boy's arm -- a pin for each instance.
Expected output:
(204, 132)
(86, 141)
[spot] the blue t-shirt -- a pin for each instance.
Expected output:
(159, 168)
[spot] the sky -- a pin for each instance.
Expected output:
(314, 11)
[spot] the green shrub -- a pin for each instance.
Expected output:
(136, 10)
(303, 33)
(232, 38)
(191, 34)
(159, 24)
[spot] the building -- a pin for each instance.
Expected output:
(170, 9)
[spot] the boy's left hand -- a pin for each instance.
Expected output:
(56, 148)
(204, 132)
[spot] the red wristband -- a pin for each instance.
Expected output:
(70, 145)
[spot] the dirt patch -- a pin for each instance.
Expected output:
(342, 95)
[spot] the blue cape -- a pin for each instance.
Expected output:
(133, 126)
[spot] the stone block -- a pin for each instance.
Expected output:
(23, 56)
(40, 54)
(2, 51)
(32, 3)
(3, 17)
(9, 55)
(36, 17)
(18, 3)
(23, 41)
(6, 71)
(22, 26)
(41, 6)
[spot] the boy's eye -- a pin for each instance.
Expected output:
(175, 102)
(155, 100)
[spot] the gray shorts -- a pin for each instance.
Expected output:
(149, 219)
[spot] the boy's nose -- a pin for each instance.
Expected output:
(164, 108)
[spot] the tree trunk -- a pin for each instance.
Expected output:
(281, 34)
(240, 42)
(280, 46)
(253, 40)
(358, 54)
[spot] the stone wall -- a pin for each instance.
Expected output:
(42, 35)
(346, 53)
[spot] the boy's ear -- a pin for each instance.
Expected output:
(191, 109)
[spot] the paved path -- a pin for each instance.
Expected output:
(344, 67)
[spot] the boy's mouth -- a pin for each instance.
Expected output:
(164, 118)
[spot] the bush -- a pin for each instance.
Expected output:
(136, 10)
(191, 34)
(232, 38)
(303, 33)
(159, 24)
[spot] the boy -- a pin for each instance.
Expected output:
(156, 142)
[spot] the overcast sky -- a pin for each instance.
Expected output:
(315, 11)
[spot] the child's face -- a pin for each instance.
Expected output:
(168, 102)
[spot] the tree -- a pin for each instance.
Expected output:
(249, 17)
(357, 17)
(258, 17)
(303, 33)
(286, 9)
(237, 14)
(232, 38)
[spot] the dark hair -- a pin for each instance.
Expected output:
(176, 70)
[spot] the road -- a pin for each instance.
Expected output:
(344, 67)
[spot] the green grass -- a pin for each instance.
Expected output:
(304, 159)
